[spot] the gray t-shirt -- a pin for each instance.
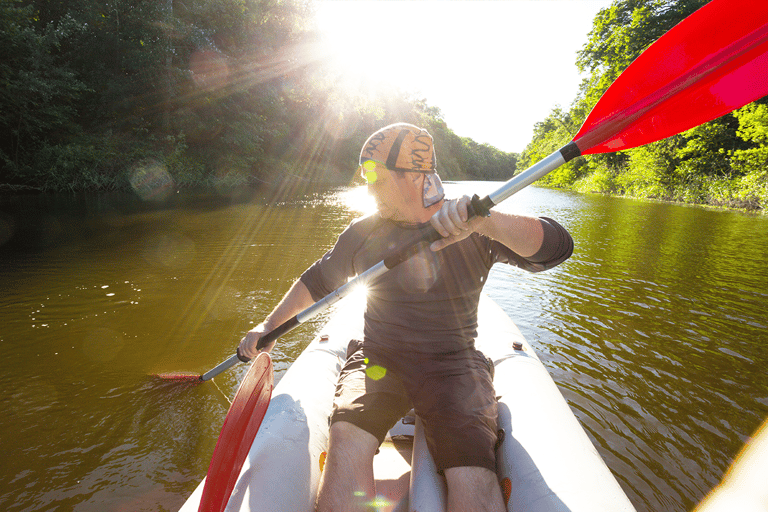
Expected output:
(427, 304)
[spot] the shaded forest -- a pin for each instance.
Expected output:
(225, 93)
(722, 163)
(172, 93)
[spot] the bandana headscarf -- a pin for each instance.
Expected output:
(404, 147)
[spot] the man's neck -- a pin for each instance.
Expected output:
(423, 215)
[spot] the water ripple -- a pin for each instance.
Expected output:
(655, 331)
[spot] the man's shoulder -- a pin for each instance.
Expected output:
(365, 225)
(372, 219)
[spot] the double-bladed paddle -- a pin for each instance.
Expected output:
(714, 61)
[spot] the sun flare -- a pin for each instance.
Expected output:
(493, 68)
(365, 48)
(357, 199)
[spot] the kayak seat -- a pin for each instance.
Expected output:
(405, 428)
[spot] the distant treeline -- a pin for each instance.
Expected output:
(724, 162)
(99, 95)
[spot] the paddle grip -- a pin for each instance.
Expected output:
(570, 151)
(278, 331)
(480, 207)
(270, 337)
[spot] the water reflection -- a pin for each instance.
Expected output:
(655, 331)
(659, 325)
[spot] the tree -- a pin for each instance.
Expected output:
(751, 163)
(209, 91)
(697, 166)
(39, 92)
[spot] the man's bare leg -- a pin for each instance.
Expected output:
(347, 480)
(473, 488)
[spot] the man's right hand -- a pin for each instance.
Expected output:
(295, 301)
(248, 344)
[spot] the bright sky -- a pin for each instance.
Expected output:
(494, 68)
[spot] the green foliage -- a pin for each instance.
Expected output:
(722, 162)
(37, 92)
(479, 161)
(548, 136)
(753, 123)
(600, 180)
(752, 163)
(207, 91)
(650, 171)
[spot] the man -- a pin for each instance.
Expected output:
(420, 324)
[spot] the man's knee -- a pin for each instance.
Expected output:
(347, 480)
(473, 488)
(348, 437)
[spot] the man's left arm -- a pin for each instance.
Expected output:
(530, 237)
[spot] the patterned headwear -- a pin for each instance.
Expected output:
(406, 148)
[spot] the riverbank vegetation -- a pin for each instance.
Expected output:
(161, 95)
(721, 163)
(156, 95)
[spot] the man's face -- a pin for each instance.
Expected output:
(397, 195)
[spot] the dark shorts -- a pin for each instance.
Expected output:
(452, 394)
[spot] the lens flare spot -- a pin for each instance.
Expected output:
(375, 372)
(169, 250)
(152, 181)
(378, 503)
(209, 69)
(323, 456)
(371, 177)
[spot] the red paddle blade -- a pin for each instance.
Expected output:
(240, 427)
(712, 62)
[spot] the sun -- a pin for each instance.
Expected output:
(368, 46)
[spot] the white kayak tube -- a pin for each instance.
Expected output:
(545, 461)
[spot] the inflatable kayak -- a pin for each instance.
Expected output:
(545, 461)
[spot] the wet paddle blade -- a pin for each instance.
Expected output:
(712, 62)
(240, 427)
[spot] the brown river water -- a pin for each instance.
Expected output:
(656, 332)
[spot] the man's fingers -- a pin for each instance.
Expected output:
(438, 222)
(452, 223)
(248, 344)
(451, 220)
(245, 349)
(457, 224)
(461, 210)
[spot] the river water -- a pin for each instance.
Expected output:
(655, 332)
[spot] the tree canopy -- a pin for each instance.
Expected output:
(723, 162)
(106, 95)
(100, 95)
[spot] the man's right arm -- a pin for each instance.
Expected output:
(294, 302)
(324, 276)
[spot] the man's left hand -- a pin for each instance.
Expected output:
(451, 222)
